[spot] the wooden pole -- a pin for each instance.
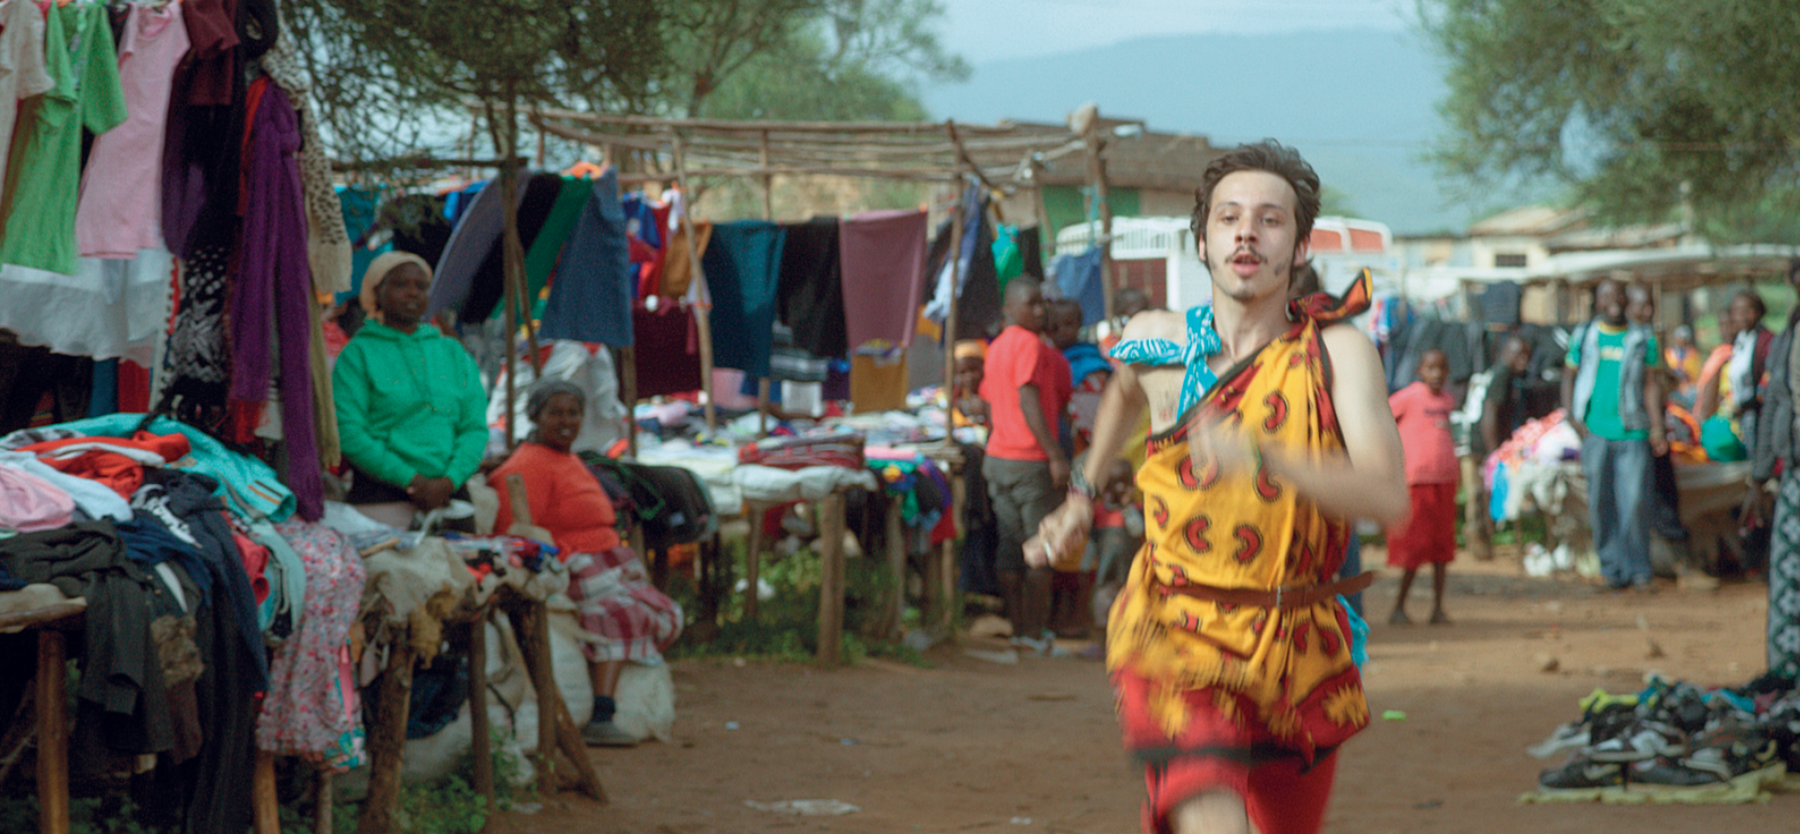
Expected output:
(729, 127)
(768, 180)
(768, 211)
(626, 360)
(894, 601)
(265, 810)
(556, 727)
(831, 579)
(1046, 235)
(1097, 173)
(481, 741)
(957, 219)
(52, 733)
(503, 141)
(387, 738)
(513, 253)
(324, 821)
(948, 560)
(702, 317)
(753, 511)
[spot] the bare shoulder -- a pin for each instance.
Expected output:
(1349, 348)
(1156, 324)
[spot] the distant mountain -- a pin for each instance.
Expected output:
(1359, 104)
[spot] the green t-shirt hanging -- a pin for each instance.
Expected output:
(44, 170)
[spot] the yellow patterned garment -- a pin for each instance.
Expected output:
(1203, 676)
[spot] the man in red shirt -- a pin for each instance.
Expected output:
(1027, 389)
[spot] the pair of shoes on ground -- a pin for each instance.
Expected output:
(607, 734)
(1648, 755)
(1044, 644)
(1398, 617)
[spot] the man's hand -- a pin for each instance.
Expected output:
(1659, 445)
(1059, 473)
(430, 493)
(1754, 511)
(1062, 535)
(1211, 439)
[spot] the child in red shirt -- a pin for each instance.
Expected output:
(1428, 536)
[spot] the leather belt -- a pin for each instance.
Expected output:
(1285, 598)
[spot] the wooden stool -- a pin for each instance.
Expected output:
(52, 719)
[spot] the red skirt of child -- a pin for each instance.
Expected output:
(1428, 536)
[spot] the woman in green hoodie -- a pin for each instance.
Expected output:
(410, 406)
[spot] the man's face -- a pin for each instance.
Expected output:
(1252, 241)
(1025, 308)
(1638, 306)
(1609, 302)
(1516, 356)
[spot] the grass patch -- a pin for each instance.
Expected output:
(448, 806)
(786, 627)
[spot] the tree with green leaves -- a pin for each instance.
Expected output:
(813, 60)
(1648, 109)
(395, 78)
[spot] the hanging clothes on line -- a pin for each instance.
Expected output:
(1031, 251)
(591, 294)
(884, 273)
(678, 271)
(646, 225)
(26, 75)
(121, 190)
(811, 290)
(327, 241)
(1078, 277)
(974, 215)
(572, 197)
(538, 195)
(742, 265)
(668, 349)
(44, 171)
(419, 227)
(106, 309)
(201, 148)
(476, 234)
(275, 284)
(978, 304)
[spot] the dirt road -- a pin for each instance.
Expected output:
(976, 746)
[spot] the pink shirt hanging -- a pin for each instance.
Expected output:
(121, 192)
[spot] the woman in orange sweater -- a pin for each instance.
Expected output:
(627, 616)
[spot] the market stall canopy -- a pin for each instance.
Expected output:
(1674, 268)
(1004, 156)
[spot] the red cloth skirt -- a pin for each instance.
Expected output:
(1428, 536)
(1282, 791)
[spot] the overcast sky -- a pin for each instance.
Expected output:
(986, 30)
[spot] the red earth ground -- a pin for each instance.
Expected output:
(970, 745)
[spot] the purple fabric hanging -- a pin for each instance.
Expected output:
(274, 285)
(884, 273)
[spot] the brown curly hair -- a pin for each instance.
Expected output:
(1267, 155)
